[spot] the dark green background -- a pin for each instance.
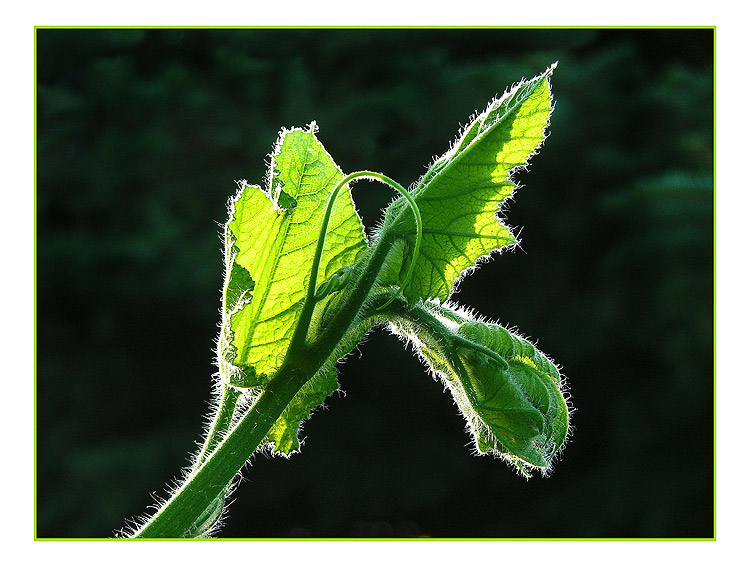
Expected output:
(140, 136)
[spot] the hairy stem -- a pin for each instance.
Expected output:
(226, 448)
(422, 316)
(221, 421)
(206, 482)
(222, 458)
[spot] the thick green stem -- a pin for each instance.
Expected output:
(226, 450)
(201, 488)
(347, 309)
(203, 485)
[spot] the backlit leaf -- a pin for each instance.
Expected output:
(273, 233)
(284, 433)
(270, 243)
(460, 195)
(509, 392)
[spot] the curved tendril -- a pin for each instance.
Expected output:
(312, 285)
(417, 240)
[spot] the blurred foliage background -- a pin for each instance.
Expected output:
(140, 136)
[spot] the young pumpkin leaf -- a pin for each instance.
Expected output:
(509, 392)
(271, 237)
(282, 334)
(460, 194)
(516, 395)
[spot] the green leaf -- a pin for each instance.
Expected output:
(460, 194)
(515, 402)
(239, 286)
(509, 392)
(271, 238)
(284, 433)
(283, 333)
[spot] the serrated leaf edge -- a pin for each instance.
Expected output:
(504, 205)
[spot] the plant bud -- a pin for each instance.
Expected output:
(510, 394)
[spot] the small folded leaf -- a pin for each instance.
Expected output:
(460, 194)
(271, 238)
(519, 403)
(509, 392)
